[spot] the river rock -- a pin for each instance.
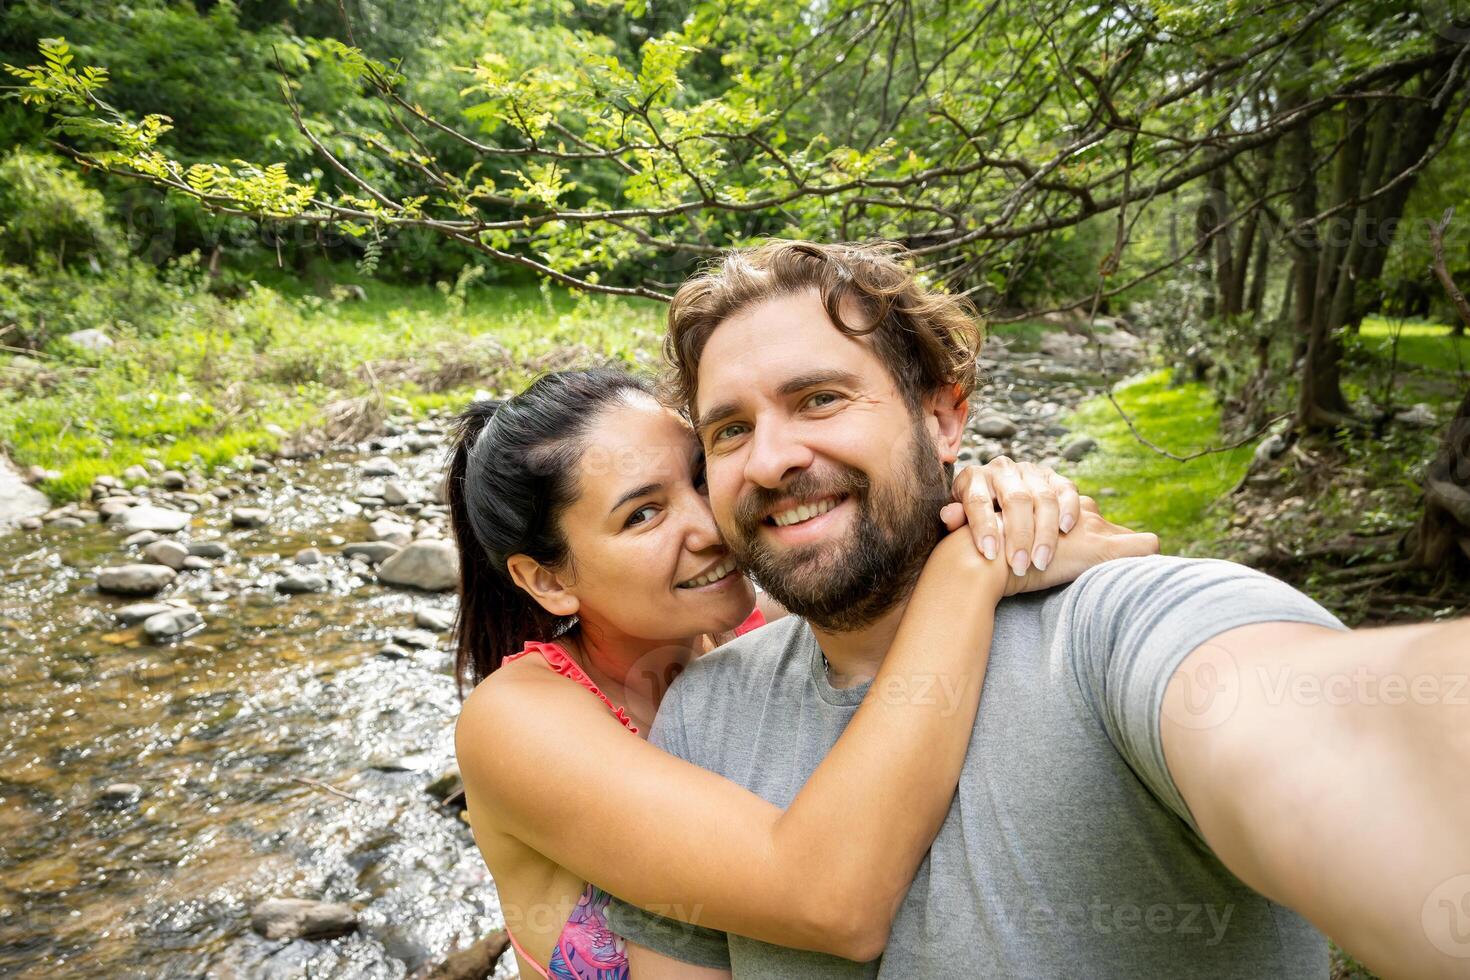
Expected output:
(208, 549)
(249, 517)
(166, 552)
(135, 474)
(172, 480)
(394, 495)
(146, 517)
(175, 622)
(193, 563)
(308, 556)
(417, 444)
(380, 466)
(19, 501)
(374, 551)
(392, 651)
(134, 579)
(297, 583)
(417, 639)
(429, 618)
(1077, 448)
(1268, 449)
(111, 508)
(92, 340)
(448, 788)
(994, 426)
(431, 565)
(133, 614)
(120, 796)
(471, 963)
(394, 532)
(31, 524)
(68, 522)
(299, 918)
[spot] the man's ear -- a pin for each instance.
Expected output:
(945, 414)
(543, 585)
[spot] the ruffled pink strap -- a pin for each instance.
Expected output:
(564, 665)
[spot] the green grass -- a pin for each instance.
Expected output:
(1149, 491)
(198, 381)
(1423, 344)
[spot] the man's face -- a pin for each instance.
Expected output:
(824, 483)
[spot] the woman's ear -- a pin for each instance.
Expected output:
(542, 584)
(946, 412)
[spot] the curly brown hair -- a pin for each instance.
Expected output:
(926, 339)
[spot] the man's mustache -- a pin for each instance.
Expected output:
(752, 509)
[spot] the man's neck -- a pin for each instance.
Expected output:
(854, 658)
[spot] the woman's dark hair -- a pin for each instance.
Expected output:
(513, 470)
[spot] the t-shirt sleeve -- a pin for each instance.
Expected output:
(670, 936)
(1131, 622)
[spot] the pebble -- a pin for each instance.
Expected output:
(298, 918)
(431, 565)
(394, 532)
(308, 556)
(146, 517)
(1078, 448)
(120, 796)
(135, 474)
(134, 579)
(31, 524)
(175, 622)
(249, 517)
(994, 426)
(207, 549)
(68, 522)
(299, 582)
(374, 551)
(429, 618)
(172, 480)
(394, 495)
(213, 595)
(166, 552)
(194, 563)
(417, 639)
(139, 611)
(379, 466)
(392, 651)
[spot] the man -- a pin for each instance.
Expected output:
(1170, 755)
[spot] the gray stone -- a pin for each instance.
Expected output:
(208, 549)
(417, 444)
(35, 475)
(213, 595)
(31, 524)
(135, 474)
(134, 579)
(1420, 416)
(429, 618)
(172, 480)
(112, 507)
(153, 465)
(68, 522)
(394, 495)
(392, 651)
(374, 551)
(1077, 448)
(448, 788)
(146, 517)
(299, 582)
(120, 796)
(249, 517)
(18, 500)
(431, 565)
(193, 563)
(994, 426)
(1268, 449)
(92, 340)
(166, 552)
(308, 556)
(379, 466)
(394, 532)
(299, 918)
(417, 639)
(137, 612)
(171, 624)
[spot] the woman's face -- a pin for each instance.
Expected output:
(647, 559)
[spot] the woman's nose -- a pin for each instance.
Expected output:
(700, 531)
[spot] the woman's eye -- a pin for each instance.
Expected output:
(644, 513)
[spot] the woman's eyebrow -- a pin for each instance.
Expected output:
(635, 493)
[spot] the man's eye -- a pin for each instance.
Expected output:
(822, 399)
(729, 431)
(644, 513)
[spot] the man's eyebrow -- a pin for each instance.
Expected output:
(801, 382)
(646, 490)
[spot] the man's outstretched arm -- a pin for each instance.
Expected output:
(1330, 771)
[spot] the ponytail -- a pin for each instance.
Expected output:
(512, 472)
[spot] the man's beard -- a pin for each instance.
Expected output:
(844, 586)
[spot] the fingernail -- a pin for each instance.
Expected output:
(988, 546)
(1067, 522)
(1042, 558)
(1019, 562)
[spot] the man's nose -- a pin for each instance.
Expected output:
(775, 456)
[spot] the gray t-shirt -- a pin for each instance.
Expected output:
(1067, 851)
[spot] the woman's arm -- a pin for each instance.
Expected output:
(826, 874)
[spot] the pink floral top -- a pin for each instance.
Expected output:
(587, 949)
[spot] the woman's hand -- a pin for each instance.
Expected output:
(1038, 505)
(1092, 541)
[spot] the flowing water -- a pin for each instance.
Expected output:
(278, 754)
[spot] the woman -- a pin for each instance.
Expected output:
(592, 571)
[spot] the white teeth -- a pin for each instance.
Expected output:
(805, 512)
(720, 571)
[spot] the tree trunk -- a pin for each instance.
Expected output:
(1226, 286)
(1440, 541)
